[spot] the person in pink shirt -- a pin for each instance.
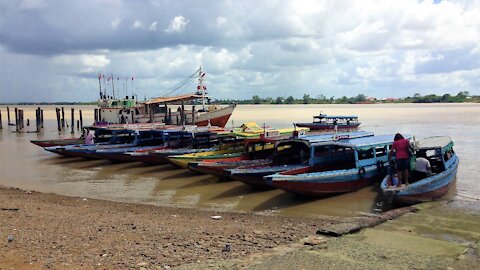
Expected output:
(89, 139)
(400, 147)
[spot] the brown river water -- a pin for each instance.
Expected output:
(28, 166)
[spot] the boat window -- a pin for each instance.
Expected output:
(124, 137)
(365, 154)
(381, 151)
(320, 150)
(448, 155)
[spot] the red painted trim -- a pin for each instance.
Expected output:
(321, 189)
(219, 121)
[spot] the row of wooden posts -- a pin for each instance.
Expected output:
(20, 121)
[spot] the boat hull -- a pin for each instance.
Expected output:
(57, 142)
(428, 189)
(325, 183)
(254, 176)
(315, 126)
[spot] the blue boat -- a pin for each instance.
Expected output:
(347, 165)
(150, 141)
(444, 163)
(291, 155)
(113, 139)
(324, 121)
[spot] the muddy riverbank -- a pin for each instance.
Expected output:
(40, 230)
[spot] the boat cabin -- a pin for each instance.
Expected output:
(316, 149)
(336, 120)
(438, 151)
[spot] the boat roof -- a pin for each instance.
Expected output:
(329, 136)
(183, 97)
(365, 143)
(336, 116)
(433, 142)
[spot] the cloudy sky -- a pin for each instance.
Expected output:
(53, 50)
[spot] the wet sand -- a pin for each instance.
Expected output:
(47, 231)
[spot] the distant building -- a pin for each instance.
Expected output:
(371, 98)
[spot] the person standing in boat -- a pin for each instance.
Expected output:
(401, 147)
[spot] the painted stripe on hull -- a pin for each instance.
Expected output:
(424, 197)
(322, 189)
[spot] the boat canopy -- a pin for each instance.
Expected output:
(324, 116)
(443, 142)
(184, 97)
(366, 143)
(329, 137)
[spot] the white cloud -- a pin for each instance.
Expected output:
(153, 26)
(33, 4)
(115, 23)
(138, 24)
(177, 25)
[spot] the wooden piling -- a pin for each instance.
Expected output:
(81, 120)
(73, 121)
(41, 118)
(78, 125)
(193, 115)
(1, 126)
(8, 116)
(95, 116)
(37, 119)
(59, 126)
(28, 122)
(22, 122)
(63, 118)
(16, 119)
(165, 120)
(169, 116)
(182, 113)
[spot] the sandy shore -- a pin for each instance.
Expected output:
(50, 231)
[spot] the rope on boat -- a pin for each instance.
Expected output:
(175, 88)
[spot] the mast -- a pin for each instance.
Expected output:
(113, 88)
(201, 89)
(100, 84)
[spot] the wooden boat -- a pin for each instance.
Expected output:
(150, 141)
(257, 152)
(183, 160)
(444, 163)
(324, 121)
(58, 142)
(293, 154)
(256, 139)
(218, 167)
(344, 165)
(167, 109)
(69, 141)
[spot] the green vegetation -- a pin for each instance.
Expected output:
(463, 96)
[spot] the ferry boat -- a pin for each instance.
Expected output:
(169, 110)
(324, 121)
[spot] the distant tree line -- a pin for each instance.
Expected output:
(463, 96)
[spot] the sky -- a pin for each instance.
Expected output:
(53, 50)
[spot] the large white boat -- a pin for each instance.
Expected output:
(186, 109)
